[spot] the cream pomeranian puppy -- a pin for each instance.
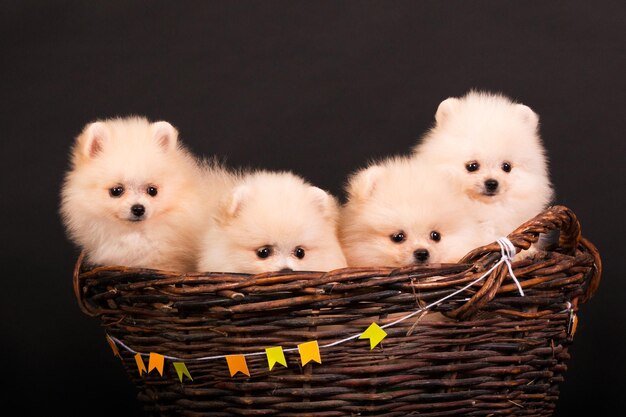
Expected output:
(398, 213)
(489, 149)
(272, 221)
(132, 196)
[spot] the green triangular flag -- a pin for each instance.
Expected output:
(181, 369)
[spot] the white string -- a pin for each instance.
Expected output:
(506, 249)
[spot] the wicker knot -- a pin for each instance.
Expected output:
(508, 252)
(493, 278)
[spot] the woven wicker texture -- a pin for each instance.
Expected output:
(485, 351)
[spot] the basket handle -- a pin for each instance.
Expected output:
(554, 218)
(570, 240)
(594, 282)
(77, 290)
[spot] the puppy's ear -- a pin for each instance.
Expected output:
(362, 184)
(230, 207)
(165, 134)
(326, 203)
(527, 114)
(445, 108)
(89, 143)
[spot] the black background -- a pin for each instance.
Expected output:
(319, 88)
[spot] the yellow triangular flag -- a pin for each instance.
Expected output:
(309, 351)
(375, 334)
(181, 369)
(237, 363)
(156, 361)
(275, 355)
(140, 365)
(116, 352)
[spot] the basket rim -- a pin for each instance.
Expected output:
(480, 259)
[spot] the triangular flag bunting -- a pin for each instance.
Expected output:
(309, 351)
(140, 365)
(156, 361)
(181, 369)
(116, 352)
(375, 334)
(275, 355)
(237, 363)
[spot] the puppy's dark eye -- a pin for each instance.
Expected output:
(299, 252)
(264, 252)
(435, 235)
(398, 237)
(116, 191)
(506, 167)
(152, 191)
(472, 166)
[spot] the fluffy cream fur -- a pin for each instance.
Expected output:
(399, 195)
(134, 154)
(275, 210)
(490, 130)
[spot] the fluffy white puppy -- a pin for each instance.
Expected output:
(273, 221)
(132, 195)
(488, 147)
(398, 213)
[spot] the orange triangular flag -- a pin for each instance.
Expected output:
(309, 351)
(116, 352)
(574, 325)
(156, 361)
(237, 363)
(140, 365)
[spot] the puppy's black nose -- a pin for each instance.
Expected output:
(138, 210)
(286, 270)
(421, 255)
(491, 185)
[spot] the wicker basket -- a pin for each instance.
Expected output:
(489, 351)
